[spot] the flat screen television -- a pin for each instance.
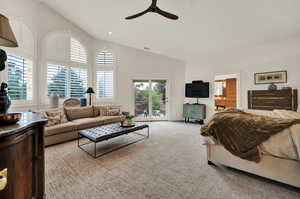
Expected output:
(197, 90)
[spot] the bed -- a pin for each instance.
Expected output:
(283, 168)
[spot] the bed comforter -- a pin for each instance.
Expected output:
(250, 133)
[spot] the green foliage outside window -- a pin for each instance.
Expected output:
(158, 95)
(59, 84)
(17, 85)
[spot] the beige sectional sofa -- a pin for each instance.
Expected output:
(64, 124)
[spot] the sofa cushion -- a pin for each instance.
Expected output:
(60, 128)
(78, 113)
(110, 119)
(86, 123)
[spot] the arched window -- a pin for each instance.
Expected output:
(77, 52)
(105, 58)
(67, 72)
(105, 72)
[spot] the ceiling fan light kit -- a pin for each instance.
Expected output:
(154, 8)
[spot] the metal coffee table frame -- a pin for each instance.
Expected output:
(126, 131)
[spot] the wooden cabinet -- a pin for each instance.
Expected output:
(231, 94)
(22, 154)
(194, 111)
(228, 98)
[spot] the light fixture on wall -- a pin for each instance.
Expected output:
(7, 39)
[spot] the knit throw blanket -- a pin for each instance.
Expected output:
(241, 133)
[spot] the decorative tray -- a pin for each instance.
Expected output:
(9, 118)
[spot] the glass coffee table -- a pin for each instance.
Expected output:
(107, 132)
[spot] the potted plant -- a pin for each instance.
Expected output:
(128, 121)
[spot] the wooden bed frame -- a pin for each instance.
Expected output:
(277, 169)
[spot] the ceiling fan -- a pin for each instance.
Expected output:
(153, 8)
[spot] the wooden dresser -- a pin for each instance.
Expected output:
(270, 100)
(22, 155)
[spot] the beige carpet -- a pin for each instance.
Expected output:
(170, 165)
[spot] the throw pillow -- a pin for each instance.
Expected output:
(54, 120)
(56, 112)
(78, 113)
(114, 112)
(54, 117)
(101, 110)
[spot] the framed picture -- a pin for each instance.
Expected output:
(275, 77)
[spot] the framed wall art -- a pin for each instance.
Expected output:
(275, 77)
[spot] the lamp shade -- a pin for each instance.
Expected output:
(7, 37)
(90, 90)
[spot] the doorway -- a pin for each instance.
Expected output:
(150, 99)
(226, 92)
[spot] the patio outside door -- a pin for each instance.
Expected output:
(150, 99)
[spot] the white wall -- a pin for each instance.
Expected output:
(280, 55)
(136, 64)
(131, 63)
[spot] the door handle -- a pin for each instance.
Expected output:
(3, 179)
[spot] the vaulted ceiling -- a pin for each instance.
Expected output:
(204, 26)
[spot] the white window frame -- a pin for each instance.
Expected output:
(106, 67)
(22, 103)
(84, 49)
(168, 95)
(68, 64)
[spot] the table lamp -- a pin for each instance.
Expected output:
(7, 39)
(90, 91)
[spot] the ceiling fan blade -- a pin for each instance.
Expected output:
(154, 2)
(166, 14)
(138, 14)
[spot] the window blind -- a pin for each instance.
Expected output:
(78, 82)
(105, 58)
(78, 52)
(57, 77)
(19, 78)
(105, 84)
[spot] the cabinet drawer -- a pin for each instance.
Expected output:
(197, 116)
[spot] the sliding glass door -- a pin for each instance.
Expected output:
(150, 99)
